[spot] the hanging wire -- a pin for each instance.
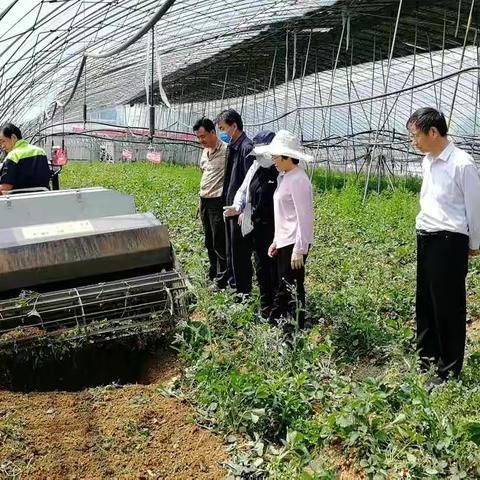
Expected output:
(469, 23)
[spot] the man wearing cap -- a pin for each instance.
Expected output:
(293, 207)
(448, 232)
(212, 164)
(239, 248)
(25, 166)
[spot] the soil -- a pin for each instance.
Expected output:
(128, 432)
(473, 329)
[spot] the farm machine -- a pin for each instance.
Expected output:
(82, 267)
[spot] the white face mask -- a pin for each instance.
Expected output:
(264, 160)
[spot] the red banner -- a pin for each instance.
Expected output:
(127, 154)
(60, 157)
(154, 156)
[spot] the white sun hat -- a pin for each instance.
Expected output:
(284, 143)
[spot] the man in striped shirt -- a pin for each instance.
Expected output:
(212, 164)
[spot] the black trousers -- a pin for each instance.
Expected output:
(211, 213)
(290, 296)
(239, 257)
(265, 266)
(442, 265)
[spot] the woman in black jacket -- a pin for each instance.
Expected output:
(254, 202)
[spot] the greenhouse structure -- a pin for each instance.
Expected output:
(151, 330)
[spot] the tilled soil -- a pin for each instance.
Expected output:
(129, 432)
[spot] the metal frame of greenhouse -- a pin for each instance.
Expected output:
(344, 75)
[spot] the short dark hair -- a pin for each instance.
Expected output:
(10, 129)
(295, 161)
(426, 118)
(204, 122)
(230, 116)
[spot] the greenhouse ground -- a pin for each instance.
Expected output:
(343, 401)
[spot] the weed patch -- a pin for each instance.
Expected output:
(284, 407)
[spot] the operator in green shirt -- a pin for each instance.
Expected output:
(25, 166)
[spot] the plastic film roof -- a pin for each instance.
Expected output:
(264, 57)
(41, 51)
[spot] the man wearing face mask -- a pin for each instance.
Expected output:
(254, 202)
(224, 137)
(239, 160)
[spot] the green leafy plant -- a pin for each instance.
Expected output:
(345, 393)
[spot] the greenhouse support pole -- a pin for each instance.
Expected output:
(443, 55)
(85, 96)
(384, 103)
(151, 23)
(469, 23)
(152, 103)
(433, 72)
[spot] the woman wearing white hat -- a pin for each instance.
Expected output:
(293, 209)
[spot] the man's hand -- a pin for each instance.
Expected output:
(297, 261)
(5, 188)
(240, 219)
(473, 253)
(230, 211)
(272, 250)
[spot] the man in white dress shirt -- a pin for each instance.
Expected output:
(448, 232)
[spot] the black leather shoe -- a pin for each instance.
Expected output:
(434, 382)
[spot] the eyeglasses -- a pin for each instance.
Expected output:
(415, 135)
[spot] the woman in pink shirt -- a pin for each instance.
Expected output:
(293, 210)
